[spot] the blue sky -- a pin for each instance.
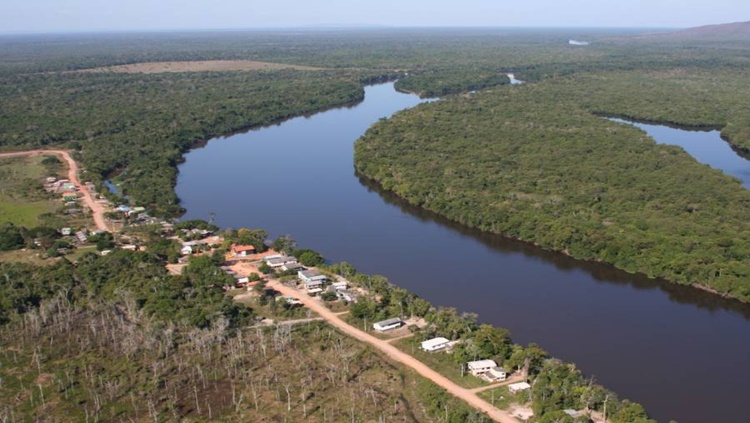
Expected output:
(102, 15)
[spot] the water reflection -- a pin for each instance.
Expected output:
(600, 272)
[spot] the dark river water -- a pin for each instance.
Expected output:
(683, 353)
(705, 145)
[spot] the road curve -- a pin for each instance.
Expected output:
(97, 209)
(394, 353)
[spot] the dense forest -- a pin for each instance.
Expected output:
(533, 162)
(137, 126)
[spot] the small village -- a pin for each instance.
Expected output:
(289, 286)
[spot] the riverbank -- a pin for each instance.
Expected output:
(543, 297)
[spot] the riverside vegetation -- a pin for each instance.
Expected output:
(116, 337)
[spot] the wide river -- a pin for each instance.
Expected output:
(683, 353)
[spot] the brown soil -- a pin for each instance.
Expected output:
(197, 66)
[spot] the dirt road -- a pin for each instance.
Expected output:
(396, 354)
(97, 209)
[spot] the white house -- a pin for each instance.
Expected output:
(476, 368)
(186, 250)
(495, 374)
(311, 278)
(347, 296)
(518, 387)
(340, 286)
(435, 344)
(279, 261)
(387, 325)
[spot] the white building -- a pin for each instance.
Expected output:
(435, 344)
(496, 374)
(277, 261)
(477, 368)
(387, 325)
(340, 286)
(312, 279)
(518, 387)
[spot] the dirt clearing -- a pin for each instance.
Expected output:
(197, 66)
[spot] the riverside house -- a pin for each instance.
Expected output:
(480, 367)
(435, 344)
(312, 279)
(387, 325)
(242, 250)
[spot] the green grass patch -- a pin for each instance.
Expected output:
(22, 199)
(80, 251)
(24, 256)
(23, 213)
(499, 397)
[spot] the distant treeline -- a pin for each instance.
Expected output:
(138, 125)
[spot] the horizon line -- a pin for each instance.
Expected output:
(323, 27)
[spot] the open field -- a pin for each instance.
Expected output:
(25, 256)
(34, 186)
(198, 66)
(21, 201)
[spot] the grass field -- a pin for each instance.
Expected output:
(499, 397)
(21, 199)
(25, 256)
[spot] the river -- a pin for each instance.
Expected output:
(684, 354)
(705, 145)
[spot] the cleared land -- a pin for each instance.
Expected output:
(198, 66)
(20, 203)
(96, 208)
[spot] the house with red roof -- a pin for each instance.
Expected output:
(242, 250)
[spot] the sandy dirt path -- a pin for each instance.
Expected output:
(97, 209)
(396, 354)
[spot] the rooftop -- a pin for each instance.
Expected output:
(241, 248)
(482, 364)
(389, 322)
(434, 342)
(309, 273)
